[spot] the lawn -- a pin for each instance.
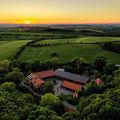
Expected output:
(9, 48)
(66, 52)
(79, 40)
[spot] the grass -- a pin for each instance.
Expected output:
(81, 39)
(9, 48)
(98, 39)
(66, 52)
(53, 41)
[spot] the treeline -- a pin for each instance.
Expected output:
(89, 31)
(111, 46)
(33, 35)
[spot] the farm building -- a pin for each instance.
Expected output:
(65, 82)
(71, 86)
(72, 77)
(45, 74)
(37, 83)
(99, 81)
(36, 79)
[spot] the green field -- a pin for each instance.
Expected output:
(97, 39)
(81, 39)
(9, 48)
(68, 51)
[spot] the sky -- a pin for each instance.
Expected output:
(59, 11)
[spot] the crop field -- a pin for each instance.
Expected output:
(55, 41)
(98, 39)
(9, 48)
(66, 52)
(81, 39)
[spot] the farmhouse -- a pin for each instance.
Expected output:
(36, 79)
(37, 84)
(65, 82)
(72, 77)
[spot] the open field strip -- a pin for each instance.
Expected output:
(9, 48)
(66, 52)
(80, 40)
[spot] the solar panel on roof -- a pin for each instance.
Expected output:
(71, 76)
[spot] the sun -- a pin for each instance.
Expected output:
(27, 22)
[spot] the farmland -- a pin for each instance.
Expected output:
(9, 48)
(80, 40)
(67, 52)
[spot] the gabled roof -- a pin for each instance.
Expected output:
(71, 86)
(71, 76)
(37, 82)
(99, 81)
(45, 74)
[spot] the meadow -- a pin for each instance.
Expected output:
(80, 40)
(9, 48)
(66, 52)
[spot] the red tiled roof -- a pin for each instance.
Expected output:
(37, 82)
(99, 81)
(71, 86)
(45, 74)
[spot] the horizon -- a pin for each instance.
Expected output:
(59, 12)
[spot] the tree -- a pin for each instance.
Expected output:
(15, 77)
(92, 116)
(54, 54)
(78, 62)
(116, 73)
(110, 68)
(5, 66)
(99, 63)
(49, 87)
(109, 78)
(16, 69)
(35, 65)
(107, 111)
(71, 116)
(7, 116)
(50, 100)
(8, 86)
(42, 113)
(55, 62)
(91, 88)
(56, 118)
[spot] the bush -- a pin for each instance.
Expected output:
(54, 54)
(8, 86)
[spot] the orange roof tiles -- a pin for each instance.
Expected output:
(37, 82)
(99, 81)
(71, 86)
(45, 74)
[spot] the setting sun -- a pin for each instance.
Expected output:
(27, 22)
